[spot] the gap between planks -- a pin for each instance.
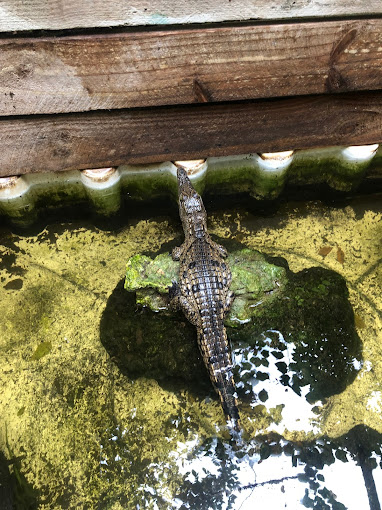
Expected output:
(19, 15)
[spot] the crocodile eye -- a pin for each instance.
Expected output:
(195, 288)
(223, 266)
(191, 265)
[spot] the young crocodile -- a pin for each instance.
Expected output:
(203, 293)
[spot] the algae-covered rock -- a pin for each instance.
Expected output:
(254, 281)
(150, 279)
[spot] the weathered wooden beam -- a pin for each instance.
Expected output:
(58, 14)
(100, 139)
(154, 68)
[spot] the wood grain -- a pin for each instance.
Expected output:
(155, 68)
(58, 14)
(102, 139)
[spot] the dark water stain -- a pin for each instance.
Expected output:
(8, 259)
(14, 284)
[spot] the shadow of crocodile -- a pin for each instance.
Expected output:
(15, 492)
(146, 344)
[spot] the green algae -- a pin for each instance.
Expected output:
(132, 184)
(149, 183)
(243, 174)
(329, 167)
(158, 273)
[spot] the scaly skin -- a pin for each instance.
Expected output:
(203, 293)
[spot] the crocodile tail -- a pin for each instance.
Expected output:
(227, 393)
(217, 358)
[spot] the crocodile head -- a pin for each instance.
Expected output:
(191, 208)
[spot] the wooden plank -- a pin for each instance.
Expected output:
(103, 139)
(83, 73)
(57, 14)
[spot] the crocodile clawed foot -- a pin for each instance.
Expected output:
(177, 252)
(174, 292)
(229, 301)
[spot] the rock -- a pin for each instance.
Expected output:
(254, 281)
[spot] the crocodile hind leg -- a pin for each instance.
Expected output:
(179, 302)
(228, 302)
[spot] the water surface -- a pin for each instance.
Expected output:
(89, 422)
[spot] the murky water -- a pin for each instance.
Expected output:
(106, 405)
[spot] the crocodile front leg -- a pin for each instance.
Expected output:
(177, 252)
(216, 246)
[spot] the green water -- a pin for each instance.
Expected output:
(107, 405)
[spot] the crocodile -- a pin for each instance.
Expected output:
(202, 293)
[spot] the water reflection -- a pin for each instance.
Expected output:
(266, 472)
(269, 380)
